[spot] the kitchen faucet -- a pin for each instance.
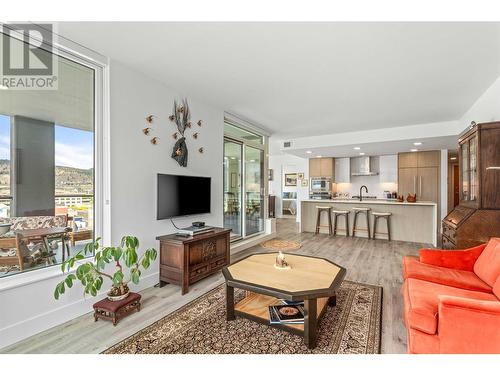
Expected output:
(361, 192)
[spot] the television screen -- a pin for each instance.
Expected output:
(182, 195)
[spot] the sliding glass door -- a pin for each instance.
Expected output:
(243, 182)
(254, 187)
(232, 187)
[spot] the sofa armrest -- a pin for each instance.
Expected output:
(456, 259)
(468, 325)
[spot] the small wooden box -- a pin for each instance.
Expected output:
(117, 310)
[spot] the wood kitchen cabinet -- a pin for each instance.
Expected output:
(428, 184)
(418, 173)
(407, 160)
(322, 167)
(407, 181)
(428, 158)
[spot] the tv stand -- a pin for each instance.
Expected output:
(186, 260)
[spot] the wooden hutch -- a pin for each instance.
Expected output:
(477, 217)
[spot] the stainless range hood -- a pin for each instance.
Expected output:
(362, 166)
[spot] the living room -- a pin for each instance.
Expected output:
(249, 187)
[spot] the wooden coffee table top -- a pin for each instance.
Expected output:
(307, 276)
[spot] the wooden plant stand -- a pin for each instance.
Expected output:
(116, 310)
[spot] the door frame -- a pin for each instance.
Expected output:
(263, 147)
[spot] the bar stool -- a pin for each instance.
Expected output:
(328, 210)
(357, 211)
(378, 215)
(345, 214)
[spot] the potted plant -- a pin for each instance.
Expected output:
(91, 274)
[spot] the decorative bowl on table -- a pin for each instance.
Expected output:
(4, 228)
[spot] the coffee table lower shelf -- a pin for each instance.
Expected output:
(255, 307)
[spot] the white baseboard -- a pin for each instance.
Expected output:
(26, 328)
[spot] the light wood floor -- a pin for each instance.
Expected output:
(373, 262)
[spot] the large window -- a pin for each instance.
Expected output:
(243, 181)
(47, 171)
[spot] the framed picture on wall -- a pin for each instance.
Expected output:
(270, 175)
(300, 176)
(290, 179)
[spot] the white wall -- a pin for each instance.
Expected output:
(282, 164)
(486, 108)
(31, 308)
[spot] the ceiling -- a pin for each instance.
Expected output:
(377, 148)
(298, 79)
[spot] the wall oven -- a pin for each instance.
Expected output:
(320, 185)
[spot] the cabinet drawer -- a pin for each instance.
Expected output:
(198, 272)
(218, 264)
(447, 243)
(449, 232)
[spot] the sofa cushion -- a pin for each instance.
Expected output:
(487, 266)
(456, 259)
(413, 268)
(421, 302)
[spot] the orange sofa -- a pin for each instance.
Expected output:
(452, 300)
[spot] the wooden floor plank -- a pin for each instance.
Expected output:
(375, 262)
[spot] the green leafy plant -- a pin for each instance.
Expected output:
(91, 273)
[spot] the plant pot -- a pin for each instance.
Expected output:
(117, 293)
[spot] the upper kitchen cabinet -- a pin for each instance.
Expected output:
(419, 159)
(388, 165)
(407, 160)
(428, 158)
(342, 170)
(322, 167)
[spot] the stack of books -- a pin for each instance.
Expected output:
(289, 312)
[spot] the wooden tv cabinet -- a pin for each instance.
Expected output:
(186, 260)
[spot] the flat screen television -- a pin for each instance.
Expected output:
(182, 196)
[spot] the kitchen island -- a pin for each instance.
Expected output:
(411, 222)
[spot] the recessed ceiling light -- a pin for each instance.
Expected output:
(453, 158)
(318, 156)
(309, 152)
(417, 143)
(414, 150)
(361, 153)
(252, 160)
(356, 148)
(233, 157)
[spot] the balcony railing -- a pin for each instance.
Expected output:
(78, 206)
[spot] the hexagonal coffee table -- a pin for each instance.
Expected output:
(309, 279)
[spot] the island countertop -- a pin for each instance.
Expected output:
(371, 201)
(411, 222)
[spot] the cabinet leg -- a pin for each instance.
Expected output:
(162, 283)
(332, 301)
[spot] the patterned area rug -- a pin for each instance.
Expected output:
(281, 245)
(200, 327)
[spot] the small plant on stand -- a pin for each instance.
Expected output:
(91, 274)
